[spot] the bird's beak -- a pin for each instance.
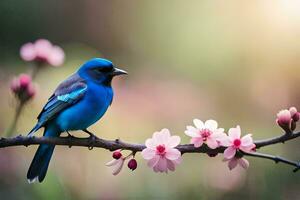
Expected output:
(118, 72)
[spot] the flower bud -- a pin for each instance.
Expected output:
(117, 154)
(23, 88)
(295, 114)
(296, 117)
(293, 110)
(24, 80)
(284, 119)
(132, 164)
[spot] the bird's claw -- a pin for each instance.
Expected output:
(92, 140)
(69, 135)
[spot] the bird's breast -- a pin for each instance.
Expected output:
(88, 110)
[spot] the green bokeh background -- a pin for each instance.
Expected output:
(233, 61)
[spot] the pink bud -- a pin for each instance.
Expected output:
(117, 154)
(284, 119)
(132, 164)
(24, 80)
(293, 110)
(296, 116)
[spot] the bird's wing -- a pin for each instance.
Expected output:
(67, 93)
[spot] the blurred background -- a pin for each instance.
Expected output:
(233, 61)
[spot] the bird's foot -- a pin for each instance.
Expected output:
(90, 134)
(92, 139)
(69, 135)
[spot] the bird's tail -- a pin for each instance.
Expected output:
(42, 157)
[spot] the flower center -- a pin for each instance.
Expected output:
(161, 149)
(237, 142)
(205, 133)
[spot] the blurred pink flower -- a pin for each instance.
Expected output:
(234, 142)
(207, 132)
(42, 51)
(23, 88)
(160, 151)
(233, 162)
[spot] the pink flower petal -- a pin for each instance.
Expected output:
(162, 136)
(173, 141)
(150, 143)
(57, 56)
(191, 131)
(197, 141)
(247, 149)
(243, 163)
(229, 152)
(118, 167)
(170, 165)
(148, 153)
(247, 140)
(162, 165)
(27, 52)
(212, 143)
(232, 163)
(211, 125)
(112, 163)
(43, 48)
(152, 162)
(155, 169)
(224, 140)
(198, 123)
(177, 161)
(235, 133)
(173, 154)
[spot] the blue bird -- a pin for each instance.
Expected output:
(77, 103)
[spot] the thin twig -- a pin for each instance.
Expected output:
(276, 159)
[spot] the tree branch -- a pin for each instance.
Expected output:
(276, 159)
(112, 145)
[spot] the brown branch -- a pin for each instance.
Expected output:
(118, 144)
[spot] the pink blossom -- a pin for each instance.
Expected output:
(233, 162)
(42, 51)
(234, 142)
(207, 132)
(160, 151)
(22, 87)
(116, 165)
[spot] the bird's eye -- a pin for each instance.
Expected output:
(104, 69)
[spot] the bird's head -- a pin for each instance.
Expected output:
(100, 71)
